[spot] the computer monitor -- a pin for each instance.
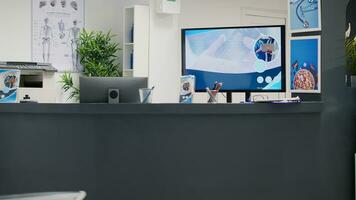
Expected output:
(95, 90)
(244, 59)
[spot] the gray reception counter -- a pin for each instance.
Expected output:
(160, 151)
(162, 109)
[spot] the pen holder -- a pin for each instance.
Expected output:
(146, 95)
(213, 96)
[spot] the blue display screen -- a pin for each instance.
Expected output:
(243, 59)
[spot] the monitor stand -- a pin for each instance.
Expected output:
(247, 97)
(229, 97)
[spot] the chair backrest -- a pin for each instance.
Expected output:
(47, 196)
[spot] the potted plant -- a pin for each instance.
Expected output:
(98, 55)
(351, 61)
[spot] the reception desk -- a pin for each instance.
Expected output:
(161, 151)
(162, 109)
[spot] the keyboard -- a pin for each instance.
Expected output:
(284, 100)
(30, 66)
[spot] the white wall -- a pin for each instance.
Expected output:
(15, 34)
(205, 13)
(15, 26)
(164, 72)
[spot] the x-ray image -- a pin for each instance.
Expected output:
(61, 27)
(46, 36)
(74, 37)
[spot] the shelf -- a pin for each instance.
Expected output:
(128, 61)
(136, 41)
(128, 73)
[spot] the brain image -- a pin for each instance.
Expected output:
(10, 81)
(304, 80)
(8, 84)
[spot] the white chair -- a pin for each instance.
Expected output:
(47, 196)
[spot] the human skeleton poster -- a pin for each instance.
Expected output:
(56, 26)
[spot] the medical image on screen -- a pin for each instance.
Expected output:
(240, 58)
(266, 49)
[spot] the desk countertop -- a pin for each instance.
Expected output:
(163, 109)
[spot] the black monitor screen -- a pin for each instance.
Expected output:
(242, 58)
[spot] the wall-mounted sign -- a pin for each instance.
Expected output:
(168, 6)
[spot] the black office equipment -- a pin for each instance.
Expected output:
(95, 90)
(244, 59)
(32, 66)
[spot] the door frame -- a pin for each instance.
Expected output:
(260, 12)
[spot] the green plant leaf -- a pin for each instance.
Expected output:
(67, 85)
(351, 56)
(98, 55)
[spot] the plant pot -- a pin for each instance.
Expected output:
(353, 81)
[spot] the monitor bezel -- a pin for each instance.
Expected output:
(283, 55)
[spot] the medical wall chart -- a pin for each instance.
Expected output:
(56, 25)
(304, 15)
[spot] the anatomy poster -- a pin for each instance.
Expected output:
(305, 65)
(56, 25)
(305, 15)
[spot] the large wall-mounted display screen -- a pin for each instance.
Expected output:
(242, 58)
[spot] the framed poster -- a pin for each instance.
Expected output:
(56, 25)
(304, 15)
(187, 89)
(305, 64)
(9, 83)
